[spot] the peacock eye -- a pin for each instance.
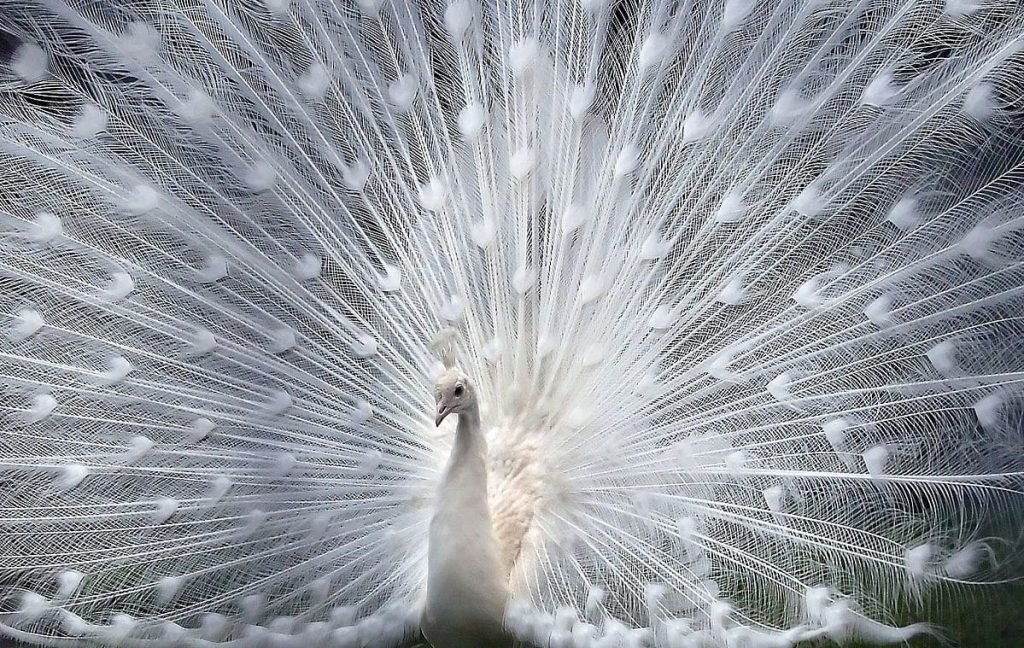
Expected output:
(458, 391)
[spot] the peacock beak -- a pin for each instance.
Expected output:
(443, 410)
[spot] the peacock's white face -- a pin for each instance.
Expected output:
(453, 393)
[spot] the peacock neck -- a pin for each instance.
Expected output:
(464, 486)
(466, 588)
(469, 440)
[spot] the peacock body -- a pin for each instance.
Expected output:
(737, 286)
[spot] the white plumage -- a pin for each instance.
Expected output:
(737, 288)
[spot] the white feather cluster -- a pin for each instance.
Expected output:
(737, 282)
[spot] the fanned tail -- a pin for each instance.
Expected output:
(738, 284)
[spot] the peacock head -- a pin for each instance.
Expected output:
(454, 393)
